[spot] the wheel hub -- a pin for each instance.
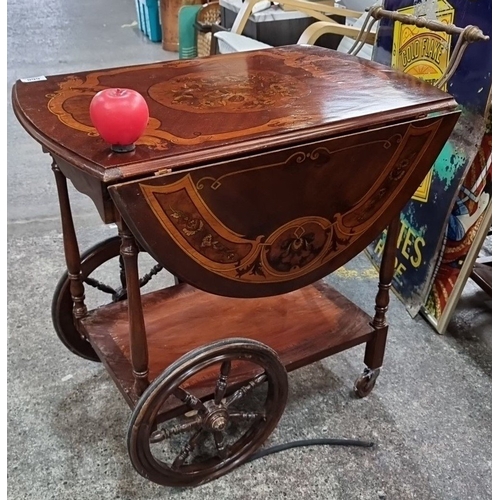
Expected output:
(218, 423)
(217, 418)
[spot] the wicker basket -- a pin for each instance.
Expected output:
(207, 16)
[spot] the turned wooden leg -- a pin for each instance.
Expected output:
(71, 250)
(375, 348)
(137, 330)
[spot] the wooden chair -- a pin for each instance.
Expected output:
(234, 40)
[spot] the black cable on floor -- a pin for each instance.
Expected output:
(310, 442)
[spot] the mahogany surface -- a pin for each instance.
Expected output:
(302, 327)
(277, 221)
(222, 106)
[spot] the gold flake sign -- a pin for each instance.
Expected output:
(424, 54)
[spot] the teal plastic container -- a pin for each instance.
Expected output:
(148, 18)
(188, 45)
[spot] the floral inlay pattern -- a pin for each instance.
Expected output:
(236, 92)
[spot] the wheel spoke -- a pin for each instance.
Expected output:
(242, 391)
(148, 276)
(188, 448)
(162, 434)
(220, 444)
(100, 286)
(221, 385)
(188, 399)
(240, 415)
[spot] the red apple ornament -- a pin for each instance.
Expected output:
(120, 116)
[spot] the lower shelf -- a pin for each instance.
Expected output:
(303, 326)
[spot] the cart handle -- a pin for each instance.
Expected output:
(467, 35)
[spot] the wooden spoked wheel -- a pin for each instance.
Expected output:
(62, 304)
(215, 435)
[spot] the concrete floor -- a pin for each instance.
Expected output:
(430, 413)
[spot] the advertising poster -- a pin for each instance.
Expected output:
(468, 224)
(425, 54)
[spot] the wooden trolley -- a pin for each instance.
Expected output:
(259, 174)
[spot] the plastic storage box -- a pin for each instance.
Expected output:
(148, 17)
